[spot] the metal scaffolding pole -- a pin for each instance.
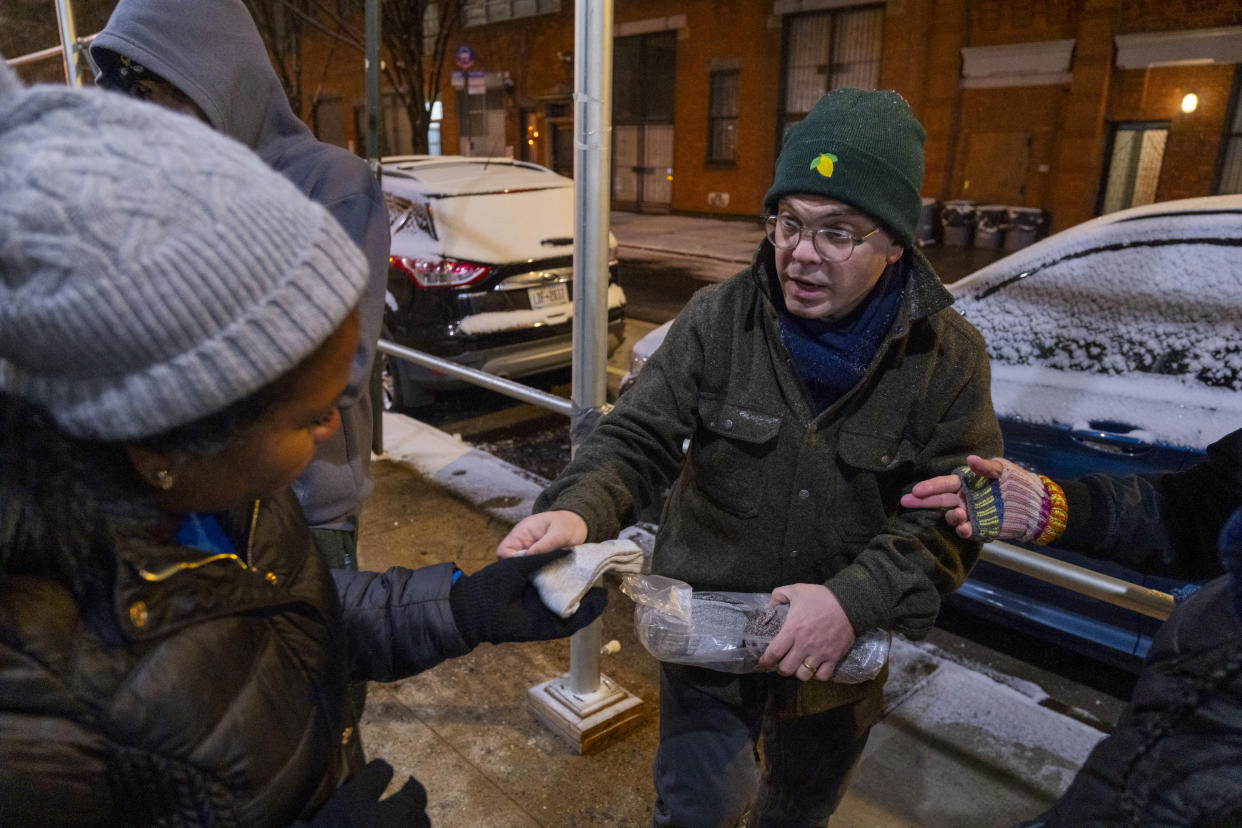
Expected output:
(586, 706)
(592, 157)
(373, 115)
(69, 42)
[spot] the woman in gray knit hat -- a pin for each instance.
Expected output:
(176, 326)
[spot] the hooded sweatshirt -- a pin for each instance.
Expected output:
(212, 51)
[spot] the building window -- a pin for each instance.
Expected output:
(1230, 178)
(830, 50)
(1134, 162)
(482, 12)
(643, 69)
(722, 117)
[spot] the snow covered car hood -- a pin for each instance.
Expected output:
(1134, 317)
(493, 211)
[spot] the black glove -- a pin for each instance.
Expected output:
(357, 803)
(499, 603)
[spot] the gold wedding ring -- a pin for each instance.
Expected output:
(809, 667)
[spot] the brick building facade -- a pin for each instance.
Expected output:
(1072, 106)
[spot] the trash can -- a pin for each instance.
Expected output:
(990, 225)
(1045, 222)
(929, 223)
(958, 220)
(1023, 224)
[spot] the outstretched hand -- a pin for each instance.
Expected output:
(500, 603)
(543, 532)
(945, 492)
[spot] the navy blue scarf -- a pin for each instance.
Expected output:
(831, 357)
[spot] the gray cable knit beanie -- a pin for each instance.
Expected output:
(152, 271)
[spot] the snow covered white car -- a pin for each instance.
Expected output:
(1116, 346)
(481, 270)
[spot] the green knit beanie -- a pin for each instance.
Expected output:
(861, 148)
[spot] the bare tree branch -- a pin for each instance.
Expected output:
(413, 63)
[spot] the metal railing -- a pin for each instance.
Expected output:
(480, 378)
(1131, 596)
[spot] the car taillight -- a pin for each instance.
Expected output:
(442, 273)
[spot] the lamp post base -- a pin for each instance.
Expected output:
(585, 721)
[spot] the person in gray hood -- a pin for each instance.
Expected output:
(206, 58)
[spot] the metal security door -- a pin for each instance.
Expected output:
(625, 166)
(656, 181)
(642, 177)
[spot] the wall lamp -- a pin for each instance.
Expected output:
(1190, 102)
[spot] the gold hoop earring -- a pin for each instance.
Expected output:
(164, 479)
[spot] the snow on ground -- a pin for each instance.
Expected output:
(488, 482)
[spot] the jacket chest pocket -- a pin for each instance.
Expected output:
(866, 463)
(728, 454)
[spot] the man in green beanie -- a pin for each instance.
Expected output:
(812, 389)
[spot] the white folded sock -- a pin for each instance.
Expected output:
(563, 582)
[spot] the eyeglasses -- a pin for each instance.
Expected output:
(831, 243)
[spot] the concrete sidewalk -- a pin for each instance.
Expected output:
(725, 240)
(956, 746)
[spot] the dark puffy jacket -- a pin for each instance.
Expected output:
(212, 689)
(1164, 523)
(1175, 757)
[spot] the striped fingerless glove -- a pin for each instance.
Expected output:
(1018, 505)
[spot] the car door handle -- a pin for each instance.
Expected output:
(1112, 442)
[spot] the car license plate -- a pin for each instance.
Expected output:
(549, 295)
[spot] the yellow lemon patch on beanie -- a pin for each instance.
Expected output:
(823, 164)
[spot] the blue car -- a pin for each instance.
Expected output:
(1116, 347)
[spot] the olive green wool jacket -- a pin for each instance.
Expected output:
(769, 493)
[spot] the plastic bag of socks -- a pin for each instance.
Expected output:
(727, 631)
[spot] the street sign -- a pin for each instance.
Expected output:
(465, 57)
